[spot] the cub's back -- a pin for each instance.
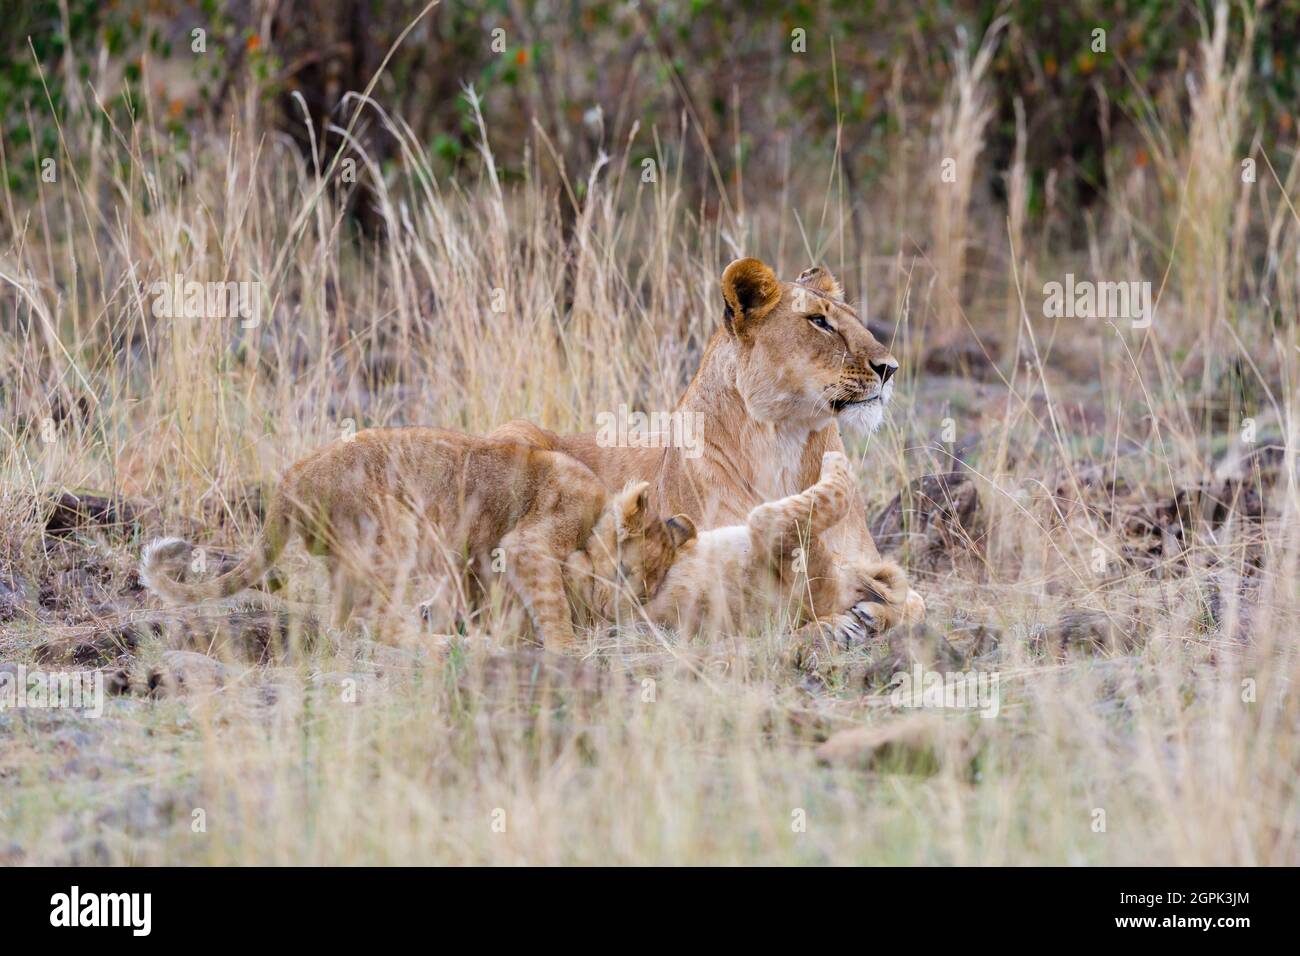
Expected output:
(479, 488)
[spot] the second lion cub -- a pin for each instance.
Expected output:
(742, 576)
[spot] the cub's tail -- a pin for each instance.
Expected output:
(165, 561)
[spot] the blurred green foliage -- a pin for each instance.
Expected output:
(21, 66)
(585, 72)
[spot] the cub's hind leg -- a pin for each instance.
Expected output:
(875, 593)
(849, 605)
(787, 534)
(778, 527)
(534, 570)
(345, 592)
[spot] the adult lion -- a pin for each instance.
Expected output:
(791, 362)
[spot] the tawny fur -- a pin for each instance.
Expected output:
(391, 500)
(771, 390)
(773, 565)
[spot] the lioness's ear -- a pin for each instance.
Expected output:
(681, 529)
(750, 290)
(630, 508)
(822, 281)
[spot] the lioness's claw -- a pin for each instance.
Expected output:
(866, 613)
(856, 625)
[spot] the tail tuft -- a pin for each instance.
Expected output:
(165, 564)
(164, 561)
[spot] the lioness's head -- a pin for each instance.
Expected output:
(803, 355)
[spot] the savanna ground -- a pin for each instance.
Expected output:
(1113, 532)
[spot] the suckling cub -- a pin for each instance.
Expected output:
(742, 576)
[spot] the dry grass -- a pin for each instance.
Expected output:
(646, 747)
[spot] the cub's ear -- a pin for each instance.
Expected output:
(681, 530)
(750, 290)
(630, 508)
(822, 282)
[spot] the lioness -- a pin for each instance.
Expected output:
(790, 362)
(744, 575)
(389, 500)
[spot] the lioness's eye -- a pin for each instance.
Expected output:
(820, 322)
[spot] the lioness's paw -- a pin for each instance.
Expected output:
(858, 624)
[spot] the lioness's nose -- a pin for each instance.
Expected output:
(885, 370)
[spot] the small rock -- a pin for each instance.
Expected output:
(187, 672)
(935, 519)
(916, 744)
(1084, 630)
(79, 510)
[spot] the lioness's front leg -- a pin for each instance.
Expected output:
(876, 598)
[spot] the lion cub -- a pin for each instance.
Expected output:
(389, 501)
(742, 576)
